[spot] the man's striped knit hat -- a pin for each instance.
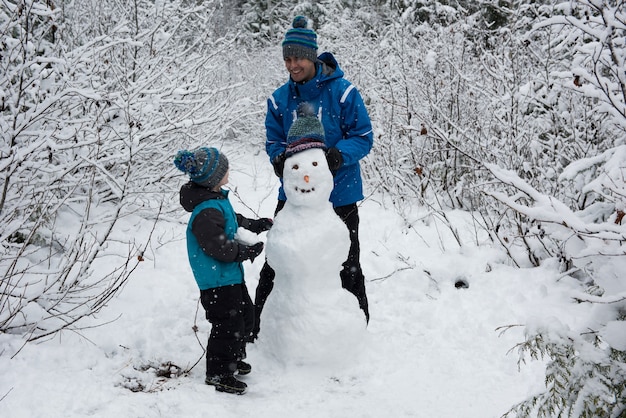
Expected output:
(300, 41)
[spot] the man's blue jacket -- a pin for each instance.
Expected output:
(342, 112)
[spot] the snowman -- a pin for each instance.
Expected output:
(309, 318)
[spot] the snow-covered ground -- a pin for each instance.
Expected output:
(432, 350)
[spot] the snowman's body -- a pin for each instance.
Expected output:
(309, 317)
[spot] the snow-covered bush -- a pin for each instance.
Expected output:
(525, 129)
(584, 376)
(89, 127)
(578, 219)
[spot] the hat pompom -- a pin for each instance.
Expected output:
(300, 22)
(305, 109)
(186, 162)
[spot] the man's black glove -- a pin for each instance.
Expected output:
(334, 158)
(249, 252)
(279, 164)
(260, 225)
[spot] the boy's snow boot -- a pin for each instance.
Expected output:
(243, 368)
(228, 384)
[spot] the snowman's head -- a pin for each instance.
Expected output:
(307, 180)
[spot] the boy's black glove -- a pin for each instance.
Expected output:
(249, 252)
(260, 225)
(334, 158)
(279, 164)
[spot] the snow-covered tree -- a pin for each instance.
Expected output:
(577, 220)
(90, 123)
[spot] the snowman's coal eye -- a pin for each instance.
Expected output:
(295, 167)
(314, 163)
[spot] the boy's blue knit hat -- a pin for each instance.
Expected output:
(300, 41)
(306, 132)
(205, 166)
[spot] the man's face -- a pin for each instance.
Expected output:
(300, 69)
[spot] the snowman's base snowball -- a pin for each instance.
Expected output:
(322, 330)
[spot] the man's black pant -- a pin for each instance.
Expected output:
(352, 278)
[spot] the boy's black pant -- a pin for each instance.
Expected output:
(352, 278)
(231, 313)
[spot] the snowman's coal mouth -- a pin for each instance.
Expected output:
(305, 190)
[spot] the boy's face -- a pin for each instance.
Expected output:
(224, 180)
(300, 69)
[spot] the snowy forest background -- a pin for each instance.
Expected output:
(514, 111)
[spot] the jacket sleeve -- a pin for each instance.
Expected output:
(209, 229)
(356, 127)
(276, 139)
(254, 225)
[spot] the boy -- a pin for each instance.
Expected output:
(216, 261)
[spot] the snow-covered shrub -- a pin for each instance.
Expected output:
(584, 375)
(586, 372)
(535, 120)
(579, 220)
(90, 119)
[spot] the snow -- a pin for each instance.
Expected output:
(430, 350)
(615, 334)
(431, 60)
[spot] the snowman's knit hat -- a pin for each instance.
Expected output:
(205, 166)
(306, 132)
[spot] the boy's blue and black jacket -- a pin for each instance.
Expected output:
(214, 255)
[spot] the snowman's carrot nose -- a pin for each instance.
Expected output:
(306, 178)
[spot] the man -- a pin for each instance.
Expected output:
(318, 82)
